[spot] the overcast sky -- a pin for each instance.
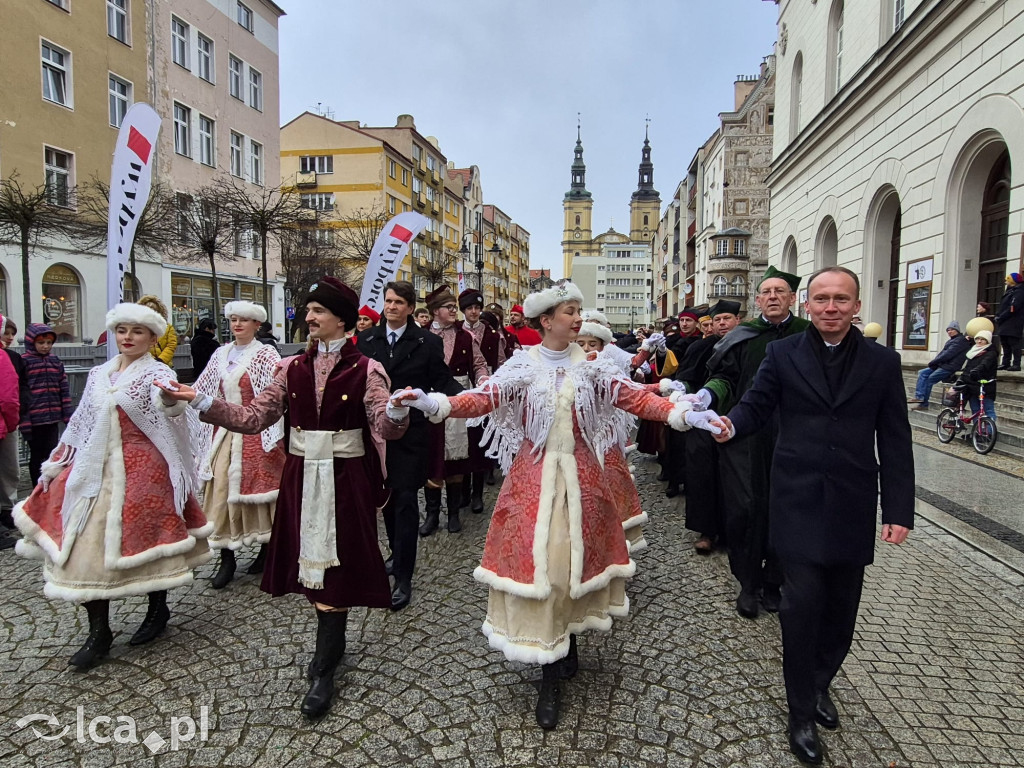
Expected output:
(499, 83)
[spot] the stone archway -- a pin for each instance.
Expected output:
(882, 269)
(826, 244)
(789, 256)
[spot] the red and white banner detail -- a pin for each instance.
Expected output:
(386, 257)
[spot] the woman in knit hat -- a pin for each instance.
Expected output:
(114, 514)
(367, 319)
(980, 366)
(241, 473)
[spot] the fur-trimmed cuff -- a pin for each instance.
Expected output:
(444, 407)
(175, 409)
(677, 417)
(665, 387)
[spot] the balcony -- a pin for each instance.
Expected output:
(434, 237)
(419, 199)
(305, 180)
(692, 229)
(421, 167)
(435, 177)
(434, 207)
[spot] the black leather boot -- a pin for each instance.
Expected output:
(476, 499)
(330, 647)
(547, 700)
(156, 619)
(569, 666)
(433, 510)
(466, 491)
(454, 497)
(226, 572)
(259, 562)
(97, 644)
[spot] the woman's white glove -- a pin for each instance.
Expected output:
(674, 387)
(694, 400)
(414, 398)
(653, 342)
(702, 420)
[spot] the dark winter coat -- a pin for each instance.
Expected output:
(203, 345)
(1010, 317)
(952, 354)
(51, 394)
(978, 369)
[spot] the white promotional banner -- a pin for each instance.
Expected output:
(130, 182)
(386, 257)
(462, 277)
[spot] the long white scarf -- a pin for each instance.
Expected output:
(88, 433)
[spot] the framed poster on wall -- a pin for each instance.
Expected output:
(919, 304)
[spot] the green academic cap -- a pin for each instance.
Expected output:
(791, 280)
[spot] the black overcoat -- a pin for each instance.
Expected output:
(825, 478)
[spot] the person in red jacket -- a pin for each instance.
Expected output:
(518, 328)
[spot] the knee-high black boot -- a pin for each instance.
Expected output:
(156, 619)
(330, 647)
(454, 499)
(97, 644)
(476, 501)
(569, 666)
(259, 562)
(226, 572)
(548, 699)
(433, 510)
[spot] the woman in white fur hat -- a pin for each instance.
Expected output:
(240, 474)
(556, 559)
(114, 513)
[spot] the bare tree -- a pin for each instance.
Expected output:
(354, 236)
(29, 214)
(268, 212)
(205, 232)
(155, 231)
(437, 266)
(308, 251)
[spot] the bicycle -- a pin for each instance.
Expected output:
(981, 429)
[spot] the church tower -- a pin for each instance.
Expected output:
(577, 206)
(645, 205)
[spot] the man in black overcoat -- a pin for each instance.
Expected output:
(412, 357)
(837, 396)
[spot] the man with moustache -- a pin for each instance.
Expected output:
(412, 357)
(838, 401)
(746, 463)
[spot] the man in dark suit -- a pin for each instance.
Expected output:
(837, 396)
(412, 357)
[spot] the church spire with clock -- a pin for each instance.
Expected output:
(577, 206)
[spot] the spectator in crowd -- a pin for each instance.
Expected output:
(422, 317)
(980, 365)
(1010, 321)
(51, 396)
(265, 335)
(367, 319)
(517, 326)
(10, 470)
(204, 343)
(942, 367)
(163, 349)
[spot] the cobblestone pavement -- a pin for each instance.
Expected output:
(934, 678)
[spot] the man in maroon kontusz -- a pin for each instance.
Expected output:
(324, 539)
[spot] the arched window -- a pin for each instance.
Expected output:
(62, 302)
(577, 219)
(720, 286)
(827, 245)
(796, 87)
(646, 219)
(789, 255)
(738, 286)
(834, 64)
(132, 288)
(995, 227)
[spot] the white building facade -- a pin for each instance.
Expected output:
(617, 281)
(899, 127)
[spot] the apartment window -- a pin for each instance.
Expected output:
(236, 154)
(179, 42)
(318, 201)
(738, 286)
(58, 177)
(235, 77)
(430, 162)
(416, 186)
(62, 4)
(722, 247)
(255, 89)
(182, 130)
(392, 169)
(738, 247)
(120, 93)
(720, 286)
(206, 147)
(117, 20)
(316, 164)
(391, 205)
(245, 16)
(834, 57)
(204, 54)
(256, 163)
(405, 178)
(56, 74)
(416, 152)
(769, 116)
(899, 14)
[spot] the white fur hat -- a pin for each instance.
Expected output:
(593, 316)
(538, 303)
(129, 313)
(590, 328)
(246, 309)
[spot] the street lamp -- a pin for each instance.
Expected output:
(495, 252)
(464, 257)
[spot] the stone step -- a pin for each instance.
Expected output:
(1011, 435)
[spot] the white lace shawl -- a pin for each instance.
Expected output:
(260, 361)
(523, 392)
(88, 433)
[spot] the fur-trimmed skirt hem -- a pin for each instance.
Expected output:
(235, 524)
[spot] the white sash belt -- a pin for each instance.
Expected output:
(318, 544)
(456, 439)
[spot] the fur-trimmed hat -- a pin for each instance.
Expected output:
(365, 311)
(597, 331)
(129, 313)
(246, 309)
(439, 297)
(593, 316)
(496, 309)
(469, 297)
(540, 302)
(337, 297)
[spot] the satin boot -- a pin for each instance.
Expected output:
(226, 571)
(433, 510)
(330, 647)
(156, 619)
(548, 698)
(454, 497)
(97, 644)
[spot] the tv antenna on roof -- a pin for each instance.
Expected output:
(323, 111)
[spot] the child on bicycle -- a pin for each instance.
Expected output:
(980, 366)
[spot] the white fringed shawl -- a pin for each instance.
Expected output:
(260, 361)
(524, 394)
(88, 432)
